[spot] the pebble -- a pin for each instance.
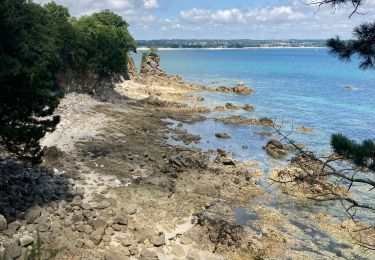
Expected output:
(178, 250)
(26, 240)
(186, 240)
(158, 240)
(115, 256)
(96, 236)
(120, 219)
(193, 255)
(146, 253)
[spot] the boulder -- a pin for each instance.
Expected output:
(13, 250)
(276, 149)
(32, 214)
(150, 66)
(242, 89)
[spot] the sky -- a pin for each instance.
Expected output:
(227, 19)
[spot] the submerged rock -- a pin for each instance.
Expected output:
(222, 135)
(242, 89)
(276, 149)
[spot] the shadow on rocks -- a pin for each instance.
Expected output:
(23, 186)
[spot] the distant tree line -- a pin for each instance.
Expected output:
(239, 43)
(37, 42)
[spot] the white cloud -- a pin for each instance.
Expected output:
(282, 13)
(151, 4)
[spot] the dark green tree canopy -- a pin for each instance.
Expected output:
(37, 42)
(363, 45)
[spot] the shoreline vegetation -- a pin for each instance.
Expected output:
(144, 48)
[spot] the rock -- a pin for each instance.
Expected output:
(96, 236)
(158, 240)
(231, 106)
(248, 108)
(109, 231)
(178, 251)
(3, 223)
(130, 209)
(115, 256)
(99, 224)
(150, 66)
(117, 227)
(241, 120)
(77, 201)
(102, 205)
(222, 135)
(193, 255)
(26, 240)
(127, 240)
(242, 89)
(89, 244)
(262, 133)
(32, 214)
(79, 243)
(44, 226)
(186, 240)
(13, 250)
(305, 129)
(276, 149)
(245, 147)
(120, 219)
(228, 162)
(148, 254)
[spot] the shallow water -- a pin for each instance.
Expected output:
(295, 87)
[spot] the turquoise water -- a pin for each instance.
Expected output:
(294, 86)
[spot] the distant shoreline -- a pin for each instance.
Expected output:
(213, 49)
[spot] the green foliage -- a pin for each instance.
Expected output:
(362, 154)
(104, 42)
(37, 42)
(29, 55)
(39, 252)
(362, 45)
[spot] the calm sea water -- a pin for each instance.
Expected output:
(294, 86)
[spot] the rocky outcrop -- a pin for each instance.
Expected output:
(276, 149)
(151, 66)
(132, 70)
(241, 120)
(241, 88)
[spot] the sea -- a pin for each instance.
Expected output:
(294, 87)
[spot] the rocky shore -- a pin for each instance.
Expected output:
(113, 186)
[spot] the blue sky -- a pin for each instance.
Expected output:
(227, 19)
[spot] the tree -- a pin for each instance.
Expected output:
(36, 43)
(28, 53)
(104, 42)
